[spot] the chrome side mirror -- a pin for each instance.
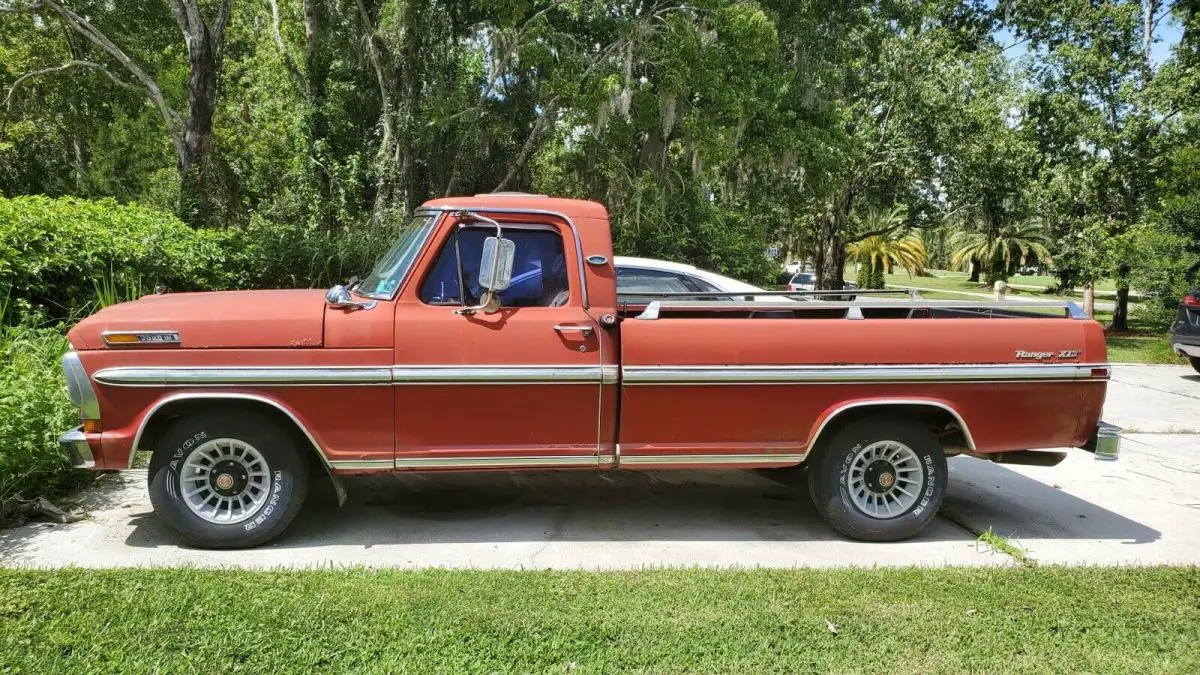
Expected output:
(339, 297)
(495, 267)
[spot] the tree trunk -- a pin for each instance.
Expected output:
(316, 73)
(1121, 308)
(204, 57)
(976, 268)
(829, 260)
(198, 131)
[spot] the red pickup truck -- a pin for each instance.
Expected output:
(491, 337)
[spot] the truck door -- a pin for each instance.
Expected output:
(516, 388)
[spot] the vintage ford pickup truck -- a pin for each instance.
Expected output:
(491, 337)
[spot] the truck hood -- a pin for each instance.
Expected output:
(220, 320)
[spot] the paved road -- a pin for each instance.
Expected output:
(1140, 510)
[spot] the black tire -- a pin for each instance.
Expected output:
(286, 482)
(1195, 361)
(827, 478)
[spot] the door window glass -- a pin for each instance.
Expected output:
(539, 275)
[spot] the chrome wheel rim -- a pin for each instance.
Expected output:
(885, 479)
(225, 481)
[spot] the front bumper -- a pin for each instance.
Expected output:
(1105, 442)
(75, 444)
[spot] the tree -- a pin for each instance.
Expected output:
(878, 254)
(1096, 110)
(1001, 252)
(191, 135)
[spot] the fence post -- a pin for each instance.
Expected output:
(999, 290)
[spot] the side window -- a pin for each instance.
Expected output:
(539, 270)
(634, 280)
(699, 285)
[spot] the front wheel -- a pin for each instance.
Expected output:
(879, 478)
(1195, 361)
(227, 478)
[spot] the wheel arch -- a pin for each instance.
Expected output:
(170, 407)
(936, 412)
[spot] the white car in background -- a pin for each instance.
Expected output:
(803, 281)
(662, 276)
(807, 281)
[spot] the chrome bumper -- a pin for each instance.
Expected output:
(75, 444)
(1105, 443)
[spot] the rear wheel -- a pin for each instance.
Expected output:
(227, 479)
(1195, 361)
(879, 478)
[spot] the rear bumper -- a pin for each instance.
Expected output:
(75, 444)
(1185, 343)
(1105, 442)
(1184, 349)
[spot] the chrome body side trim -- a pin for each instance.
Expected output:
(361, 464)
(552, 374)
(495, 462)
(75, 444)
(886, 402)
(537, 212)
(332, 376)
(79, 387)
(232, 375)
(573, 374)
(689, 460)
(686, 375)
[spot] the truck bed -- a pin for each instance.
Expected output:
(1006, 376)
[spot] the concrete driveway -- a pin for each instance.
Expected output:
(1140, 510)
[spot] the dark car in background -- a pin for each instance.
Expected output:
(1185, 334)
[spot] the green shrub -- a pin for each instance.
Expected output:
(54, 252)
(64, 258)
(276, 255)
(34, 410)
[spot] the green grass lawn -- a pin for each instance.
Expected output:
(957, 281)
(1142, 349)
(1042, 619)
(960, 283)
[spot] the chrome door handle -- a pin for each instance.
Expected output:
(586, 331)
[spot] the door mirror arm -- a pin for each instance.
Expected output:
(495, 266)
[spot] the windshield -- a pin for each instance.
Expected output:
(391, 269)
(803, 278)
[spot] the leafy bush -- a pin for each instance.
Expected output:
(34, 410)
(276, 255)
(53, 252)
(64, 257)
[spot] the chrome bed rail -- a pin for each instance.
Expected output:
(854, 309)
(806, 295)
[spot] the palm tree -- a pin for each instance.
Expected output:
(1017, 243)
(878, 254)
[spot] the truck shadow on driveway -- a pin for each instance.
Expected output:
(717, 506)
